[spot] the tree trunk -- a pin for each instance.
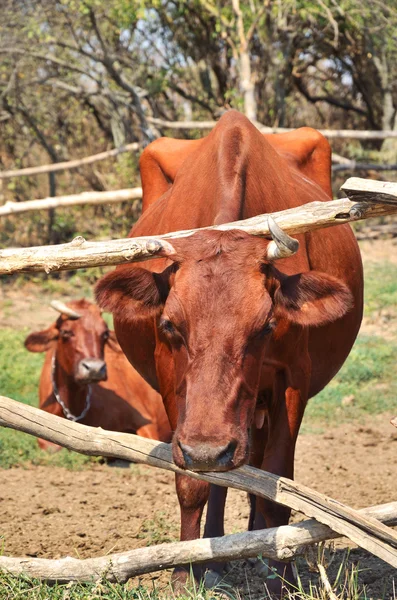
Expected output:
(247, 86)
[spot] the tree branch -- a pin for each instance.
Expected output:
(328, 99)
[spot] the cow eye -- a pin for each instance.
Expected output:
(167, 327)
(105, 335)
(267, 329)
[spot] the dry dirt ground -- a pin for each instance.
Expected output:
(54, 512)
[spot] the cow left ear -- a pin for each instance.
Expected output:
(133, 293)
(312, 299)
(41, 341)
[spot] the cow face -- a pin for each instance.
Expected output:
(218, 308)
(78, 341)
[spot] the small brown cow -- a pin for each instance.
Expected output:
(86, 377)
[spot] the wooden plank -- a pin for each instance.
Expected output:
(280, 543)
(80, 254)
(358, 189)
(363, 530)
(70, 164)
(109, 197)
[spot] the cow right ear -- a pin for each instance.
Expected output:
(41, 341)
(133, 293)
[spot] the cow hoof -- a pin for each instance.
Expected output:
(180, 580)
(212, 579)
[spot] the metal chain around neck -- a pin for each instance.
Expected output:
(61, 403)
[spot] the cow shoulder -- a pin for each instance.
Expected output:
(308, 151)
(159, 164)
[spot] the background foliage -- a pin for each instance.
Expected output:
(77, 77)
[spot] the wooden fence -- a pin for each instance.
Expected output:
(328, 133)
(365, 199)
(332, 518)
(316, 215)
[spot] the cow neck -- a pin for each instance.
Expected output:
(75, 400)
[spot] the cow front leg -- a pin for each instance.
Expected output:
(192, 495)
(284, 423)
(214, 527)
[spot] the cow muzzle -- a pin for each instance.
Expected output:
(90, 370)
(205, 457)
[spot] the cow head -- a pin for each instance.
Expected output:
(218, 308)
(79, 336)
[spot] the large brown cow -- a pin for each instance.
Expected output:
(236, 332)
(86, 377)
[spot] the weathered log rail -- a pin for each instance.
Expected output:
(352, 165)
(364, 530)
(376, 199)
(110, 197)
(364, 134)
(69, 164)
(279, 543)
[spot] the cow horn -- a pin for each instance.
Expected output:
(282, 245)
(64, 310)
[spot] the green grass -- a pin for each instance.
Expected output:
(158, 530)
(368, 375)
(345, 584)
(380, 287)
(21, 588)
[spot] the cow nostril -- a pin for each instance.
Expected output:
(226, 455)
(102, 370)
(186, 451)
(85, 366)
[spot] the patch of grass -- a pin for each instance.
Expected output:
(158, 530)
(19, 588)
(368, 375)
(19, 380)
(380, 286)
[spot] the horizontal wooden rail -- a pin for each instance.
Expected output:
(363, 530)
(12, 208)
(80, 254)
(70, 164)
(278, 543)
(352, 165)
(328, 133)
